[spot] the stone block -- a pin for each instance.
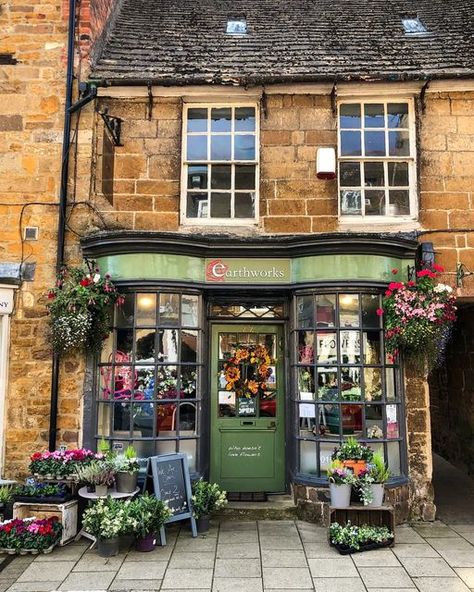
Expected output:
(133, 202)
(156, 221)
(129, 167)
(290, 207)
(275, 138)
(139, 129)
(463, 164)
(444, 201)
(324, 223)
(278, 154)
(466, 124)
(11, 123)
(158, 187)
(434, 219)
(321, 207)
(164, 167)
(287, 224)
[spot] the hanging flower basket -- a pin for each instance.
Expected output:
(418, 317)
(80, 306)
(246, 371)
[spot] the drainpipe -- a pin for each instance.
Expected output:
(53, 414)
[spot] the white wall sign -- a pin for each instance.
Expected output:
(6, 301)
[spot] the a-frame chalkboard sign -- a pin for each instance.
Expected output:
(169, 474)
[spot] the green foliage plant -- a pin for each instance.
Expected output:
(207, 498)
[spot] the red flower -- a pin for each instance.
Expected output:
(36, 456)
(85, 282)
(51, 295)
(438, 268)
(411, 283)
(395, 286)
(425, 272)
(379, 312)
(394, 271)
(388, 293)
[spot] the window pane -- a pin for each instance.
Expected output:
(374, 115)
(325, 310)
(245, 119)
(375, 203)
(350, 144)
(121, 419)
(397, 115)
(374, 174)
(189, 448)
(168, 346)
(399, 203)
(221, 119)
(350, 384)
(125, 343)
(221, 147)
(305, 347)
(399, 143)
(308, 462)
(166, 419)
(197, 205)
(146, 309)
(372, 347)
(145, 345)
(143, 419)
(244, 205)
(220, 205)
(351, 420)
(398, 174)
(329, 420)
(351, 202)
(374, 143)
(349, 174)
(349, 116)
(374, 420)
(169, 309)
(189, 345)
(393, 453)
(189, 310)
(103, 420)
(196, 148)
(350, 347)
(390, 391)
(187, 418)
(325, 452)
(244, 147)
(124, 313)
(166, 382)
(305, 311)
(221, 177)
(326, 347)
(306, 383)
(370, 304)
(392, 422)
(188, 382)
(244, 177)
(373, 384)
(349, 310)
(327, 384)
(197, 120)
(197, 177)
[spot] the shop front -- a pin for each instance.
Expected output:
(255, 357)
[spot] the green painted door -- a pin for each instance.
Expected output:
(247, 430)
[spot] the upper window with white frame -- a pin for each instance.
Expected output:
(377, 174)
(220, 164)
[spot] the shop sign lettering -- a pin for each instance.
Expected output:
(245, 271)
(6, 301)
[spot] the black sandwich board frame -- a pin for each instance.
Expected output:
(154, 462)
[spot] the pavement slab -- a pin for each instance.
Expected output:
(338, 585)
(287, 578)
(91, 581)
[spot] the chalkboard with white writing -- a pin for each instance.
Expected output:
(171, 483)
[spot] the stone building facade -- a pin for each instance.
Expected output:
(144, 195)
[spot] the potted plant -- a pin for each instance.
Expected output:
(351, 539)
(6, 501)
(341, 479)
(98, 475)
(379, 474)
(206, 498)
(126, 470)
(106, 519)
(147, 514)
(30, 535)
(46, 493)
(353, 455)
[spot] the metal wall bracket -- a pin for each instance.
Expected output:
(462, 272)
(113, 125)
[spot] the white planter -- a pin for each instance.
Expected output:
(378, 494)
(101, 490)
(340, 495)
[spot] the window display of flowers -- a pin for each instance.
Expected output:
(60, 463)
(374, 432)
(351, 538)
(80, 306)
(353, 454)
(30, 534)
(247, 369)
(418, 317)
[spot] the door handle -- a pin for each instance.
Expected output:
(272, 425)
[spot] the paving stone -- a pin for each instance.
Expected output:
(187, 578)
(338, 585)
(6, 585)
(316, 535)
(467, 575)
(284, 528)
(283, 558)
(158, 554)
(91, 561)
(249, 568)
(382, 557)
(247, 551)
(280, 542)
(90, 581)
(458, 558)
(197, 545)
(33, 587)
(243, 536)
(42, 572)
(237, 585)
(426, 567)
(469, 536)
(138, 586)
(135, 570)
(316, 550)
(234, 526)
(69, 553)
(385, 577)
(287, 578)
(337, 567)
(434, 531)
(441, 585)
(407, 535)
(450, 544)
(197, 560)
(414, 550)
(463, 528)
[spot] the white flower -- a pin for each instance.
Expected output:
(442, 288)
(96, 278)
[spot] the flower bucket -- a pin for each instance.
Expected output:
(203, 524)
(146, 543)
(126, 482)
(340, 495)
(378, 495)
(101, 490)
(108, 547)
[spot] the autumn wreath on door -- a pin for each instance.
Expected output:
(247, 371)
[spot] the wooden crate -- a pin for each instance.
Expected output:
(67, 514)
(359, 515)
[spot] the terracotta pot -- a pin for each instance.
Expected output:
(355, 465)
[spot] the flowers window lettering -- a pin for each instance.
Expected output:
(247, 369)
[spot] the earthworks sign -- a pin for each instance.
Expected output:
(245, 271)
